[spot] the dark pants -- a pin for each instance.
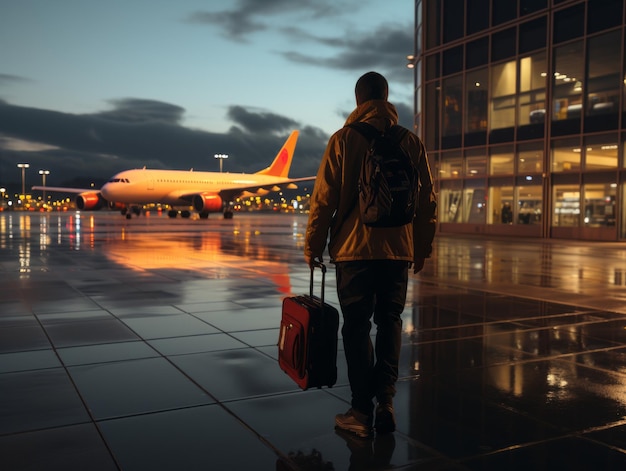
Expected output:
(366, 288)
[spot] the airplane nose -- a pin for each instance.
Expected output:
(104, 191)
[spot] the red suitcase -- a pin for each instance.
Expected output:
(307, 343)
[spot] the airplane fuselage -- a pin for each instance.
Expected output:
(176, 187)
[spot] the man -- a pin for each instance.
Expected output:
(371, 263)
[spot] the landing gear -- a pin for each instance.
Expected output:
(128, 212)
(172, 213)
(228, 214)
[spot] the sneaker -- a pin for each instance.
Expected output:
(355, 422)
(385, 418)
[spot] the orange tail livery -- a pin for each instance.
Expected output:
(282, 162)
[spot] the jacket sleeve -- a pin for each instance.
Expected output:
(324, 199)
(425, 222)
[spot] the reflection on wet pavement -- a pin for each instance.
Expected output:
(151, 344)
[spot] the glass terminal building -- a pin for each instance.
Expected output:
(522, 107)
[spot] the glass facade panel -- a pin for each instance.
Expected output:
(532, 87)
(476, 163)
(477, 15)
(503, 11)
(431, 125)
(501, 160)
(476, 106)
(601, 152)
(599, 205)
(529, 203)
(453, 19)
(530, 158)
(569, 23)
(503, 85)
(604, 14)
(500, 205)
(451, 165)
(449, 204)
(452, 104)
(566, 155)
(532, 35)
(567, 81)
(433, 22)
(474, 208)
(477, 53)
(452, 60)
(503, 44)
(603, 78)
(566, 206)
(530, 6)
(623, 212)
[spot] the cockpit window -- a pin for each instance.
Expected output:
(119, 180)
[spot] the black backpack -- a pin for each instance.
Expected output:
(388, 182)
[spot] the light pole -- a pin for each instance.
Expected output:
(221, 158)
(23, 167)
(43, 174)
(2, 192)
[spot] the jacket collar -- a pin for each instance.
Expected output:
(379, 113)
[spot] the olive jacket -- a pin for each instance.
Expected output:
(334, 205)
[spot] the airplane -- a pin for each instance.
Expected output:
(206, 192)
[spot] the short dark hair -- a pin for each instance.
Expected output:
(371, 86)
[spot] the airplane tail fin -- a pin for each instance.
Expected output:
(282, 162)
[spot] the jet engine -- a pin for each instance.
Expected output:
(87, 201)
(207, 203)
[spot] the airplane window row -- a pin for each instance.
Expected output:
(190, 181)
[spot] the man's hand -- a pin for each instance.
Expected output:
(418, 264)
(310, 261)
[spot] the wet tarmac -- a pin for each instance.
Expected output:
(150, 344)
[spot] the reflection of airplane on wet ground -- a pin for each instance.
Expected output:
(208, 253)
(207, 192)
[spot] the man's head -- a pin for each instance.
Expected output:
(371, 86)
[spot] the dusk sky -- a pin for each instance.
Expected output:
(89, 88)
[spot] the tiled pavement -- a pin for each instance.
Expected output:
(150, 344)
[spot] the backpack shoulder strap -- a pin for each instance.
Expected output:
(397, 133)
(368, 131)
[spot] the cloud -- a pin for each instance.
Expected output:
(139, 132)
(260, 122)
(133, 110)
(247, 17)
(8, 79)
(383, 49)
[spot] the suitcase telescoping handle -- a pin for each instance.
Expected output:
(318, 264)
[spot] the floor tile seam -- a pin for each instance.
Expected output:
(532, 443)
(559, 357)
(478, 336)
(230, 331)
(223, 406)
(437, 455)
(522, 412)
(155, 412)
(606, 371)
(584, 434)
(45, 429)
(515, 319)
(80, 396)
(580, 302)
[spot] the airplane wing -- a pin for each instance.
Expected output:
(61, 189)
(232, 192)
(262, 188)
